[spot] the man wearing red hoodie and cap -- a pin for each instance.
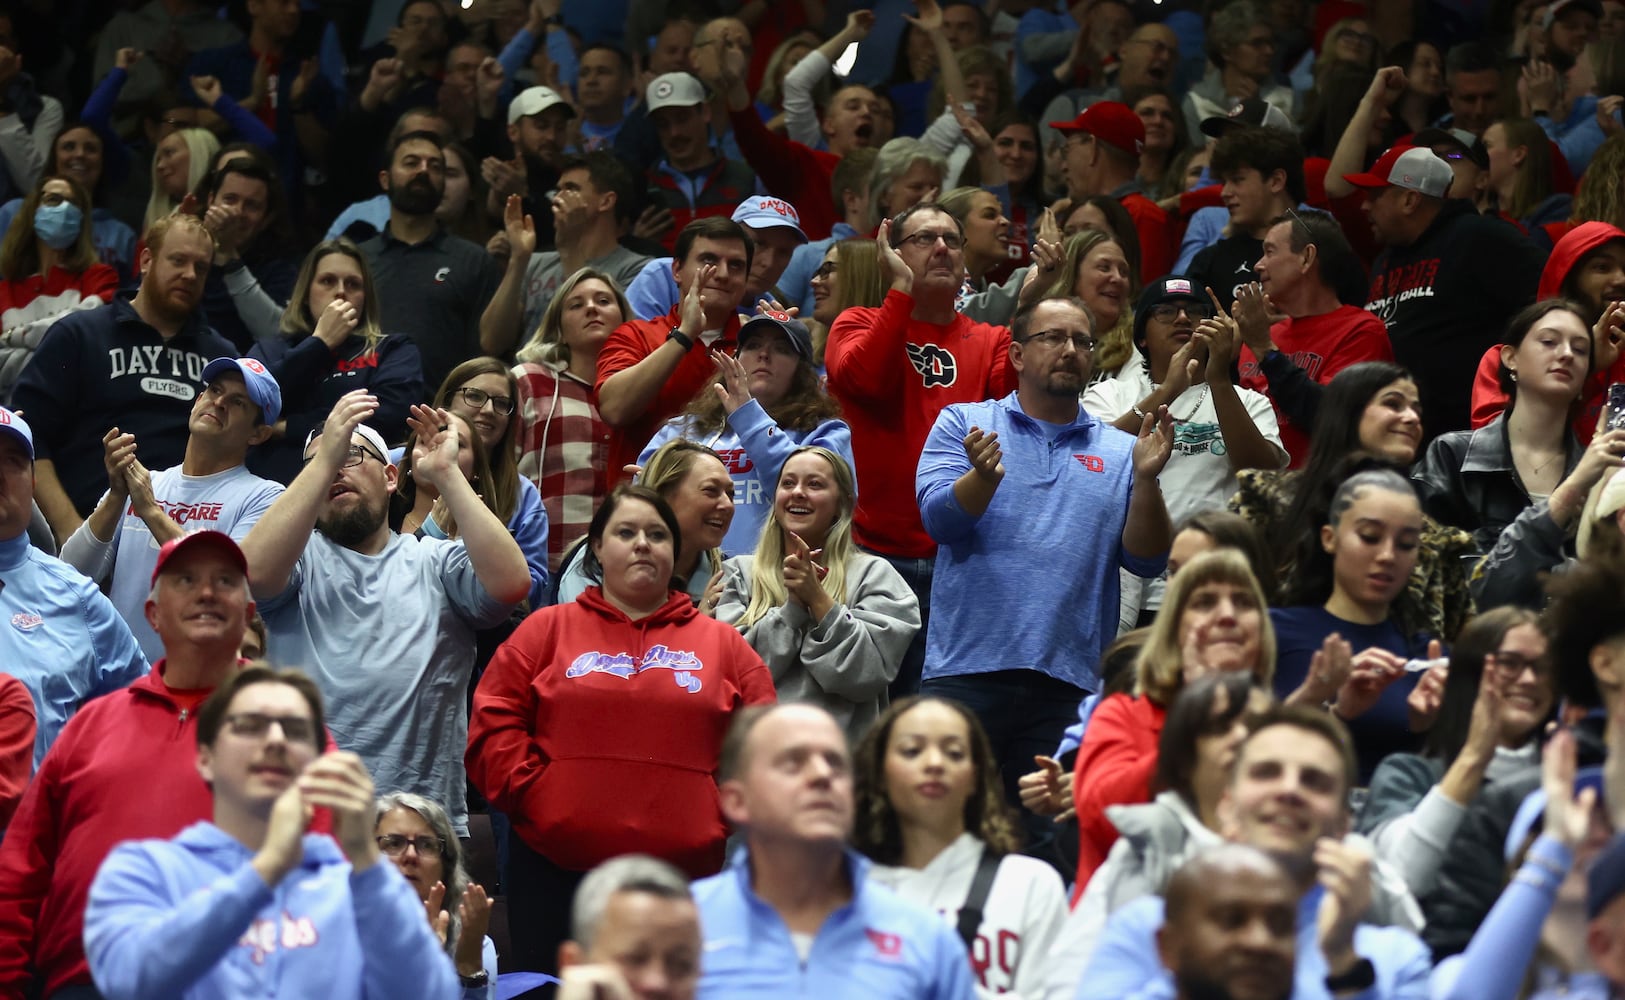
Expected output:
(1586, 266)
(1103, 146)
(124, 767)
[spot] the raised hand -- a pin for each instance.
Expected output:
(435, 459)
(803, 577)
(1374, 669)
(1253, 319)
(654, 222)
(352, 409)
(570, 212)
(928, 18)
(858, 25)
(283, 848)
(519, 227)
(734, 385)
(1329, 670)
(1218, 333)
(505, 177)
(902, 277)
(1608, 335)
(1049, 228)
(126, 57)
(207, 89)
(434, 909)
(1607, 109)
(986, 457)
(1568, 816)
(309, 69)
(692, 316)
(1344, 870)
(1387, 86)
(1153, 444)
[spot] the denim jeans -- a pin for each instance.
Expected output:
(1025, 713)
(917, 574)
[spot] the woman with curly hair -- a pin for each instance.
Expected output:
(1600, 196)
(931, 814)
(766, 401)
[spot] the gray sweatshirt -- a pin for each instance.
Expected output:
(843, 663)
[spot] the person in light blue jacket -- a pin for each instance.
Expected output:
(1297, 762)
(795, 913)
(250, 904)
(767, 404)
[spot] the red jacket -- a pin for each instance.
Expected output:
(600, 736)
(893, 375)
(799, 174)
(123, 768)
(1115, 766)
(16, 744)
(635, 340)
(1488, 399)
(1156, 236)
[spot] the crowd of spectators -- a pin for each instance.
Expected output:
(886, 498)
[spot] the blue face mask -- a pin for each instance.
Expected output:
(58, 225)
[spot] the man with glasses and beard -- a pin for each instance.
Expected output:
(1003, 479)
(385, 622)
(431, 285)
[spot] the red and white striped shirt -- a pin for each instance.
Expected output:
(563, 448)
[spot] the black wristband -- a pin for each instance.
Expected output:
(683, 340)
(1362, 975)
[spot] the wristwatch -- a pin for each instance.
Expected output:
(683, 340)
(477, 981)
(1362, 975)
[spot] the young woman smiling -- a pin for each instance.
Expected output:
(930, 814)
(831, 622)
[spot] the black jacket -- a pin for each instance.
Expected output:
(1467, 480)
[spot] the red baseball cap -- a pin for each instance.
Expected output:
(1112, 122)
(197, 540)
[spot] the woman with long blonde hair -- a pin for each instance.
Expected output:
(829, 620)
(1097, 270)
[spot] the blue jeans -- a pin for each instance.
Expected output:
(1025, 713)
(917, 574)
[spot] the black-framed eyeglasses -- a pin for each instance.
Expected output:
(477, 398)
(353, 457)
(825, 269)
(1511, 665)
(1055, 338)
(394, 845)
(927, 241)
(254, 725)
(1167, 312)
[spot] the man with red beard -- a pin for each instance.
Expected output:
(135, 363)
(384, 622)
(124, 767)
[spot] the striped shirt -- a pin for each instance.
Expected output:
(563, 448)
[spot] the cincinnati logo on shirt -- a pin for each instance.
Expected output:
(936, 365)
(683, 665)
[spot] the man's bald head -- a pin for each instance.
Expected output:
(1231, 926)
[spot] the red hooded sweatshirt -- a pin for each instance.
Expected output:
(1488, 399)
(600, 736)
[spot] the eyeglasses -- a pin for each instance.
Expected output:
(477, 398)
(394, 845)
(1511, 665)
(927, 241)
(825, 269)
(353, 457)
(254, 725)
(1055, 338)
(1169, 311)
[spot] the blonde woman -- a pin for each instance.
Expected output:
(1097, 270)
(829, 620)
(562, 439)
(179, 164)
(324, 343)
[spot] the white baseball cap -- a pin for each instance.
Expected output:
(674, 90)
(535, 100)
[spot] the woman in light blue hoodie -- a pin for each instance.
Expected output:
(250, 904)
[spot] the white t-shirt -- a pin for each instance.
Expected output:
(1025, 909)
(1198, 475)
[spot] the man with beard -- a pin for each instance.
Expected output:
(1287, 797)
(134, 363)
(1003, 479)
(431, 285)
(124, 768)
(538, 126)
(1228, 934)
(385, 622)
